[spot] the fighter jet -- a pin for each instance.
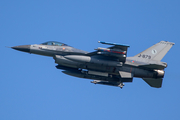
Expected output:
(107, 66)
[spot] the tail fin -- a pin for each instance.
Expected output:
(157, 51)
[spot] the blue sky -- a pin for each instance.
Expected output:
(31, 88)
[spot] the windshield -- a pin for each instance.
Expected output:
(53, 43)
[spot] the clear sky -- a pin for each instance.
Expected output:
(31, 88)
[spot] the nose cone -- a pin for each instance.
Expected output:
(24, 48)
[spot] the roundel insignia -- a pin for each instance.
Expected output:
(154, 51)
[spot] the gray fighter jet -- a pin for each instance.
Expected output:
(107, 66)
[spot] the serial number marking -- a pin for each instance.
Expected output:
(145, 56)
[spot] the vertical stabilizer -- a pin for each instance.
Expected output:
(157, 51)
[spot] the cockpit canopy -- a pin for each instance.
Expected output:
(54, 43)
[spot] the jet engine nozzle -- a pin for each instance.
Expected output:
(159, 73)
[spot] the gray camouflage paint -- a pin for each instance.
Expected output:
(107, 66)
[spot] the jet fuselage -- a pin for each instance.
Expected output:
(105, 66)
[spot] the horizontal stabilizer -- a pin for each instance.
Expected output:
(153, 66)
(157, 83)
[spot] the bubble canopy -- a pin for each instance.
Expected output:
(54, 43)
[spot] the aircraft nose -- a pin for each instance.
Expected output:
(24, 48)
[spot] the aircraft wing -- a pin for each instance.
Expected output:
(117, 51)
